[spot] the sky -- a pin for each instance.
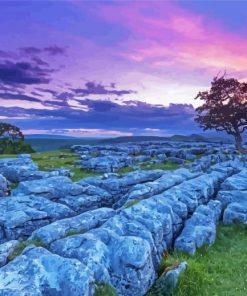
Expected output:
(115, 68)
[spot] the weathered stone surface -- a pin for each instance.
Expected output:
(117, 185)
(6, 249)
(236, 212)
(80, 223)
(236, 182)
(37, 272)
(200, 229)
(126, 260)
(176, 160)
(4, 186)
(168, 281)
(17, 169)
(106, 164)
(21, 215)
(52, 188)
(234, 196)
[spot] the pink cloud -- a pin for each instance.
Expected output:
(164, 34)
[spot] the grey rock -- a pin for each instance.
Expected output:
(235, 212)
(6, 249)
(200, 229)
(236, 182)
(80, 223)
(4, 186)
(21, 215)
(52, 188)
(234, 196)
(168, 281)
(38, 272)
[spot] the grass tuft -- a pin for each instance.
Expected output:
(73, 232)
(105, 290)
(18, 250)
(167, 165)
(125, 170)
(132, 203)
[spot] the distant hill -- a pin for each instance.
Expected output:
(175, 138)
(47, 144)
(42, 136)
(53, 142)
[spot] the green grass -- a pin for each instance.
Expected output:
(219, 270)
(105, 290)
(73, 232)
(125, 170)
(198, 156)
(132, 203)
(14, 185)
(168, 165)
(7, 156)
(18, 250)
(50, 160)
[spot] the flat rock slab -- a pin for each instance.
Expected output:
(52, 188)
(21, 215)
(80, 223)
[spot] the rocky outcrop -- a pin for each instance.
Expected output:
(114, 228)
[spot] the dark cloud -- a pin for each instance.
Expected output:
(46, 90)
(52, 50)
(108, 115)
(40, 62)
(5, 54)
(55, 50)
(92, 88)
(30, 50)
(13, 73)
(54, 103)
(98, 106)
(22, 97)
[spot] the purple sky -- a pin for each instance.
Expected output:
(95, 68)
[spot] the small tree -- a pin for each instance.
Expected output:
(224, 108)
(12, 140)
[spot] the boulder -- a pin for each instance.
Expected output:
(233, 196)
(236, 182)
(200, 229)
(236, 212)
(38, 272)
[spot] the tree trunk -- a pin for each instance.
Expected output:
(238, 140)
